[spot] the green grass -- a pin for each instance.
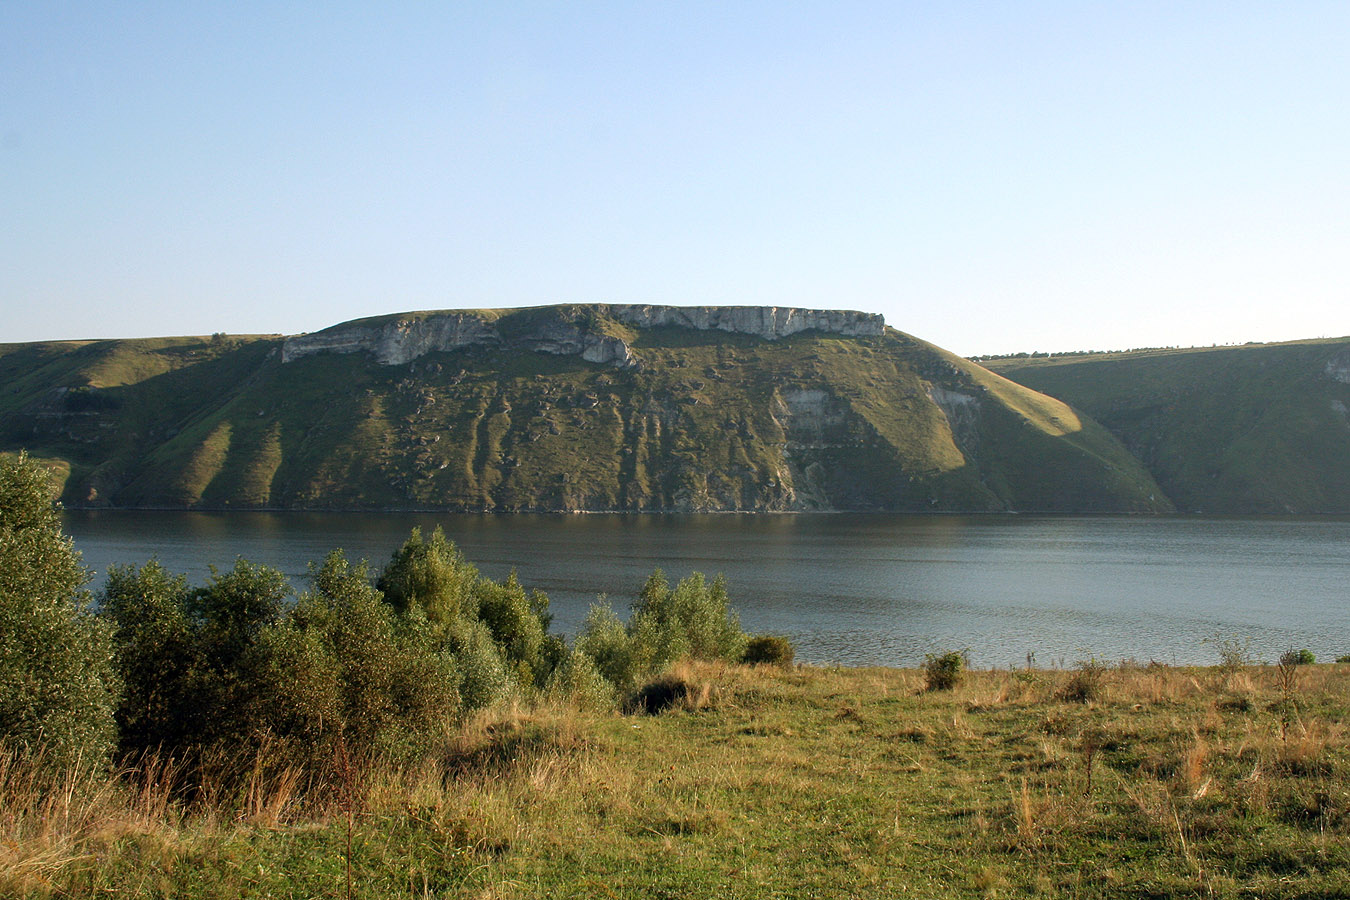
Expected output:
(772, 783)
(1250, 429)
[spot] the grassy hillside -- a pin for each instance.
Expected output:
(1257, 428)
(767, 783)
(707, 421)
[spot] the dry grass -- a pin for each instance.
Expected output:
(805, 781)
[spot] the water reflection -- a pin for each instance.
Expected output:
(856, 589)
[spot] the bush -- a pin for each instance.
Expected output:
(343, 665)
(943, 671)
(1292, 657)
(1343, 659)
(1235, 654)
(695, 620)
(518, 624)
(769, 650)
(1087, 684)
(58, 683)
(605, 640)
(486, 678)
(157, 656)
(577, 680)
(432, 576)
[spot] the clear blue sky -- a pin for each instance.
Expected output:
(993, 177)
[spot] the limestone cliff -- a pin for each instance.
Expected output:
(564, 330)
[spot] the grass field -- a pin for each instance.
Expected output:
(1259, 428)
(1127, 781)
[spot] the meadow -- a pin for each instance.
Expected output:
(757, 781)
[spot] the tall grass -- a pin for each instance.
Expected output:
(852, 782)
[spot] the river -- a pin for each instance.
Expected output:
(853, 589)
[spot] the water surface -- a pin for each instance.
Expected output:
(853, 589)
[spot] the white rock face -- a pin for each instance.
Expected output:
(562, 331)
(962, 412)
(395, 342)
(1338, 368)
(768, 322)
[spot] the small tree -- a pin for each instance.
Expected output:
(58, 685)
(157, 654)
(343, 665)
(431, 575)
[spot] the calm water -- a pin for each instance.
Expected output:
(854, 589)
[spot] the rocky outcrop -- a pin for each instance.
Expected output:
(564, 330)
(1338, 367)
(768, 322)
(395, 341)
(962, 412)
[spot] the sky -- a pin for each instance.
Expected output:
(993, 177)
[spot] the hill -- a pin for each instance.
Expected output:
(1257, 428)
(561, 408)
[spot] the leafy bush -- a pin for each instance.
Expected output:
(432, 576)
(518, 624)
(343, 665)
(605, 640)
(485, 676)
(769, 650)
(577, 680)
(218, 666)
(58, 683)
(943, 671)
(158, 656)
(1086, 684)
(695, 620)
(1293, 657)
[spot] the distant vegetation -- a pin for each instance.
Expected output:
(1246, 429)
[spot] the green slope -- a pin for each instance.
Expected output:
(1250, 429)
(707, 421)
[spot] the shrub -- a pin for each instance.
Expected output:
(694, 620)
(1292, 657)
(157, 656)
(577, 680)
(432, 576)
(485, 677)
(1343, 659)
(343, 666)
(943, 671)
(606, 641)
(58, 683)
(769, 650)
(518, 624)
(1086, 684)
(1235, 654)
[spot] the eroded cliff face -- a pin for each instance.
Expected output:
(567, 331)
(768, 322)
(1338, 367)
